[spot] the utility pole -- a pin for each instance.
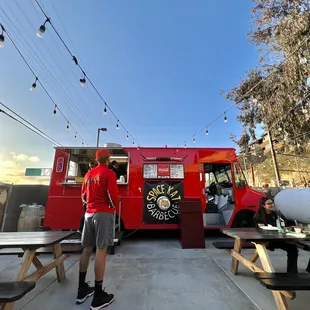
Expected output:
(98, 134)
(274, 158)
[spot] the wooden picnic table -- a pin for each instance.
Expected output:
(30, 242)
(260, 238)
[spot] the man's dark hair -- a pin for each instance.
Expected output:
(113, 162)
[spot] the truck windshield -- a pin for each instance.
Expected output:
(218, 173)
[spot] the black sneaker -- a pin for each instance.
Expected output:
(102, 301)
(84, 292)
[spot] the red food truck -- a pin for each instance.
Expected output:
(153, 183)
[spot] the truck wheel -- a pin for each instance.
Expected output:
(243, 220)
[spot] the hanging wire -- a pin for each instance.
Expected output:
(55, 84)
(250, 91)
(34, 129)
(85, 76)
(36, 77)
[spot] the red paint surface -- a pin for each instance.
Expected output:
(64, 206)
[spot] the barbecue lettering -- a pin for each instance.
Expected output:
(161, 215)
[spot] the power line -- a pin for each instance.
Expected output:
(39, 132)
(42, 64)
(41, 84)
(36, 128)
(85, 76)
(249, 91)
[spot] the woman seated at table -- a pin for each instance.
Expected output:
(265, 215)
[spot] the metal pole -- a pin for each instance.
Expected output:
(274, 159)
(245, 167)
(98, 136)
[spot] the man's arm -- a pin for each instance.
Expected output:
(112, 188)
(83, 191)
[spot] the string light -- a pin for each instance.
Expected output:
(194, 140)
(85, 76)
(42, 29)
(34, 85)
(185, 146)
(127, 137)
(68, 126)
(207, 132)
(83, 80)
(225, 119)
(2, 39)
(117, 126)
(105, 111)
(75, 136)
(246, 95)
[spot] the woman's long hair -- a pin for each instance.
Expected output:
(260, 215)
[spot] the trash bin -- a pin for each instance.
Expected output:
(31, 217)
(191, 224)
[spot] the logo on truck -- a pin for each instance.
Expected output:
(161, 202)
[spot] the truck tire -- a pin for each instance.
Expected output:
(244, 220)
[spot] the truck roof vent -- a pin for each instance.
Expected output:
(112, 145)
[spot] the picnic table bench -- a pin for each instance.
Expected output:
(30, 242)
(282, 285)
(284, 281)
(13, 291)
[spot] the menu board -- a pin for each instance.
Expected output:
(163, 171)
(177, 171)
(150, 171)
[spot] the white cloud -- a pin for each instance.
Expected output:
(34, 159)
(20, 157)
(13, 166)
(23, 157)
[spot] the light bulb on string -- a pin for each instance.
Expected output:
(254, 100)
(83, 80)
(207, 132)
(127, 137)
(75, 136)
(2, 39)
(68, 126)
(225, 119)
(42, 29)
(34, 85)
(194, 140)
(117, 126)
(105, 110)
(55, 110)
(133, 142)
(185, 146)
(82, 143)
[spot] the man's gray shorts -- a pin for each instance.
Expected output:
(98, 230)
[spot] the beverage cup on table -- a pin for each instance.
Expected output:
(297, 229)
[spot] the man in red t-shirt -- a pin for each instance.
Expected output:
(100, 189)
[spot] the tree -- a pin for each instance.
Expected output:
(275, 93)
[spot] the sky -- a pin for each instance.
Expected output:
(160, 66)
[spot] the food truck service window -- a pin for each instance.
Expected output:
(80, 159)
